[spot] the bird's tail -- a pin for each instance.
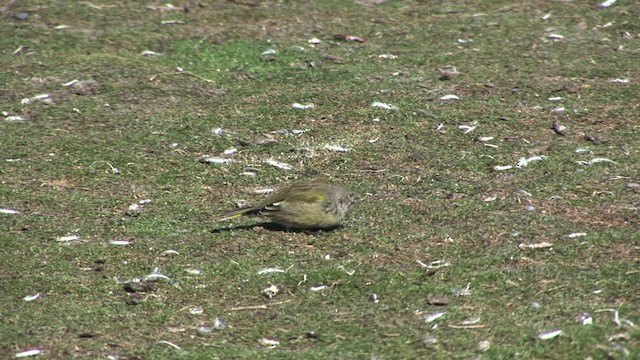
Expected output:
(230, 215)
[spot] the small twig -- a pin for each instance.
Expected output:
(257, 307)
(165, 342)
(476, 326)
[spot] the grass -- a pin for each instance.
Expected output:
(135, 126)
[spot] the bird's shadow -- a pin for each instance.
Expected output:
(273, 227)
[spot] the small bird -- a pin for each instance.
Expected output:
(313, 205)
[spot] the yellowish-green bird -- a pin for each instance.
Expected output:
(313, 205)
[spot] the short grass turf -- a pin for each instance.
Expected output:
(506, 255)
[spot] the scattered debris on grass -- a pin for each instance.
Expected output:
(449, 97)
(270, 271)
(559, 128)
(14, 118)
(619, 81)
(485, 138)
(437, 264)
(250, 171)
(28, 353)
(596, 161)
(172, 22)
(433, 317)
(9, 211)
(204, 330)
(374, 298)
(135, 209)
(43, 98)
(219, 324)
(193, 271)
(465, 291)
(501, 167)
(70, 83)
(300, 106)
(490, 198)
(296, 132)
(268, 55)
(272, 291)
(120, 242)
(467, 128)
(230, 151)
(429, 340)
(471, 321)
(257, 307)
(97, 163)
(164, 342)
(336, 148)
(149, 53)
(536, 305)
(584, 319)
(606, 4)
(616, 318)
(165, 7)
(354, 38)
(269, 343)
(524, 162)
(540, 245)
(348, 272)
(387, 56)
(576, 234)
(318, 288)
(484, 345)
(547, 335)
(170, 252)
(196, 310)
(216, 160)
(156, 275)
(250, 307)
(68, 239)
(218, 131)
(29, 298)
(381, 105)
(448, 72)
(278, 164)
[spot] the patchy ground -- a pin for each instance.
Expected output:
(492, 145)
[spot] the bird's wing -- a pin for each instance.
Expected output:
(303, 193)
